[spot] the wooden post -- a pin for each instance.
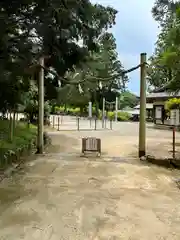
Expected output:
(105, 121)
(78, 123)
(40, 145)
(95, 123)
(11, 128)
(58, 123)
(116, 109)
(110, 124)
(103, 112)
(53, 121)
(142, 122)
(174, 142)
(14, 121)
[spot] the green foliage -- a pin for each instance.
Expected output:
(69, 110)
(30, 103)
(128, 99)
(122, 116)
(58, 109)
(24, 137)
(173, 103)
(74, 111)
(111, 115)
(100, 75)
(53, 29)
(165, 62)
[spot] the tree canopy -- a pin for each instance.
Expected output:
(73, 38)
(128, 100)
(164, 68)
(100, 75)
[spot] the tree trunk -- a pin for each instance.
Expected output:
(14, 121)
(11, 128)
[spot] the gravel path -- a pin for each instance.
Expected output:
(61, 195)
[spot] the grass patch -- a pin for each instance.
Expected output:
(23, 138)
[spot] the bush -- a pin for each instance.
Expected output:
(173, 103)
(31, 111)
(123, 116)
(24, 137)
(74, 111)
(71, 111)
(111, 115)
(93, 110)
(58, 109)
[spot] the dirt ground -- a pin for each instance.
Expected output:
(62, 196)
(122, 140)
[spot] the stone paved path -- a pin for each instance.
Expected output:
(62, 196)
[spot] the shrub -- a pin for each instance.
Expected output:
(24, 138)
(74, 111)
(93, 110)
(100, 114)
(123, 116)
(173, 103)
(111, 115)
(56, 109)
(31, 110)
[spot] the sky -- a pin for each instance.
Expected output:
(135, 32)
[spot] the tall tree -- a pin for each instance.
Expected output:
(51, 28)
(101, 74)
(164, 64)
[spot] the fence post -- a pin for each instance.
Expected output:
(110, 124)
(105, 121)
(116, 109)
(14, 121)
(103, 108)
(174, 142)
(95, 123)
(53, 121)
(58, 123)
(90, 122)
(102, 122)
(78, 123)
(11, 128)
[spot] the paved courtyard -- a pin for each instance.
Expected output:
(60, 195)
